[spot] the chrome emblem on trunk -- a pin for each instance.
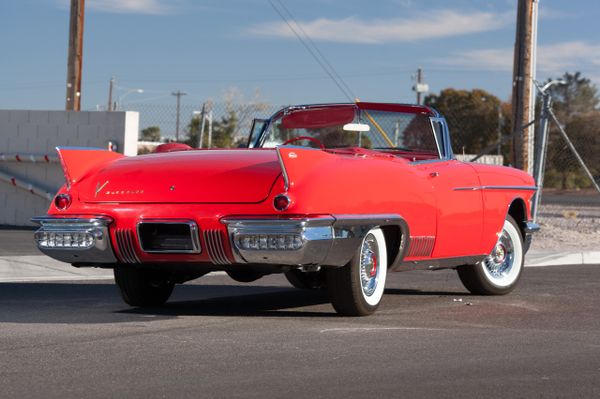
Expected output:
(99, 188)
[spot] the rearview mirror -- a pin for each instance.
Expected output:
(356, 127)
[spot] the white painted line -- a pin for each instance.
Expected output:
(54, 278)
(70, 277)
(370, 329)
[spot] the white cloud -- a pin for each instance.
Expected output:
(554, 58)
(153, 7)
(488, 59)
(568, 55)
(438, 24)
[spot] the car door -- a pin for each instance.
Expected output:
(459, 207)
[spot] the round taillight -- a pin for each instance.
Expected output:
(62, 201)
(281, 202)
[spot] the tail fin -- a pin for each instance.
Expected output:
(77, 162)
(297, 162)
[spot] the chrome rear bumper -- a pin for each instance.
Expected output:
(327, 240)
(75, 240)
(529, 228)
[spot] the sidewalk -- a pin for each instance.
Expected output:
(42, 268)
(31, 268)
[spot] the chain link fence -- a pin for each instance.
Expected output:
(165, 117)
(472, 132)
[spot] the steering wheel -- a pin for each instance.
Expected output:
(314, 140)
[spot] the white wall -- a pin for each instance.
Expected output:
(40, 132)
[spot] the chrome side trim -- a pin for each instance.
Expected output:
(100, 253)
(437, 264)
(125, 244)
(421, 246)
(54, 220)
(474, 188)
(286, 180)
(215, 248)
(195, 237)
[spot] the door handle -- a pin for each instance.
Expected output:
(434, 174)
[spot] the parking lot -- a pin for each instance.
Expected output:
(217, 338)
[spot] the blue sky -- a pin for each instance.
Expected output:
(211, 47)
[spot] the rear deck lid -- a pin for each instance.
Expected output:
(197, 176)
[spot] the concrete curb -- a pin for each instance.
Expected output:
(42, 268)
(36, 268)
(558, 258)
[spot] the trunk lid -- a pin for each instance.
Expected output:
(197, 176)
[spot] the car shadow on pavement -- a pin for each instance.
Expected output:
(94, 302)
(275, 302)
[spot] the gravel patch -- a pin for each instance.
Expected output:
(568, 228)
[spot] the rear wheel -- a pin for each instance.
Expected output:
(141, 287)
(499, 272)
(357, 288)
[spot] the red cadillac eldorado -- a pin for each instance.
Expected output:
(333, 195)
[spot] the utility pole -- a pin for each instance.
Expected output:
(110, 93)
(178, 94)
(75, 56)
(420, 87)
(523, 95)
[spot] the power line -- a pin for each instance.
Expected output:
(348, 95)
(307, 37)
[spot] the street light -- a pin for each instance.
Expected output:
(129, 91)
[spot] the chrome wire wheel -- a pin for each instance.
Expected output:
(503, 265)
(372, 267)
(369, 265)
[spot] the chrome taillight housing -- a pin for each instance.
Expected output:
(62, 239)
(273, 241)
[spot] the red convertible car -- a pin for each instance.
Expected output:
(333, 195)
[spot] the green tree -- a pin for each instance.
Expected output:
(151, 133)
(474, 117)
(578, 95)
(193, 131)
(223, 131)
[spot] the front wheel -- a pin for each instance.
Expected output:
(499, 272)
(143, 287)
(357, 288)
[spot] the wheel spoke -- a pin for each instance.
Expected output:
(369, 272)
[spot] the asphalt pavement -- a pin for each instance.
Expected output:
(65, 332)
(216, 338)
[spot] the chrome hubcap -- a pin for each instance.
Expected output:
(500, 262)
(369, 265)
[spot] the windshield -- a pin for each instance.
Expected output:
(335, 127)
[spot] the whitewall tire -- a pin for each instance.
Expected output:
(500, 271)
(357, 288)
